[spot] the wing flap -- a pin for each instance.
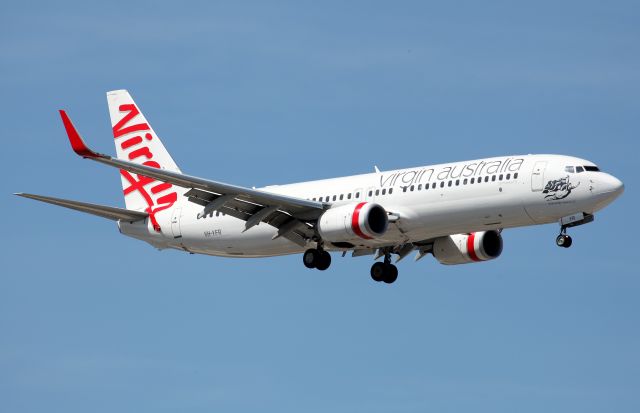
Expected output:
(244, 210)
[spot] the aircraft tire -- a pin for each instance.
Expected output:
(391, 274)
(310, 258)
(324, 260)
(568, 241)
(378, 271)
(564, 241)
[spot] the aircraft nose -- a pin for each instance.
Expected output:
(612, 185)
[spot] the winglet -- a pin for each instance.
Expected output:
(77, 143)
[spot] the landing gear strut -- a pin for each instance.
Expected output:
(384, 271)
(563, 240)
(316, 258)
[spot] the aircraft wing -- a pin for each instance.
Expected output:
(289, 214)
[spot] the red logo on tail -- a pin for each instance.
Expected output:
(139, 182)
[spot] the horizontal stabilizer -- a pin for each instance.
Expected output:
(99, 210)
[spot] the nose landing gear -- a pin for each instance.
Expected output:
(563, 240)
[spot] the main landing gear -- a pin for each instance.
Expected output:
(380, 271)
(316, 258)
(384, 271)
(563, 240)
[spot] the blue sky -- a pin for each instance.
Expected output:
(265, 93)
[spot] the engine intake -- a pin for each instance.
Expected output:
(466, 248)
(353, 222)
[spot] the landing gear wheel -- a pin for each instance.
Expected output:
(381, 271)
(310, 258)
(391, 274)
(378, 271)
(324, 260)
(568, 241)
(564, 240)
(316, 258)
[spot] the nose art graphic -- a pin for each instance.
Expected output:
(558, 189)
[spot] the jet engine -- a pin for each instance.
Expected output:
(353, 222)
(466, 248)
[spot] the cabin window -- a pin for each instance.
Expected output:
(515, 175)
(412, 188)
(334, 197)
(486, 179)
(390, 191)
(501, 176)
(465, 181)
(508, 176)
(349, 195)
(442, 184)
(404, 189)
(370, 193)
(493, 178)
(473, 180)
(357, 194)
(377, 192)
(341, 197)
(450, 183)
(457, 182)
(384, 192)
(433, 186)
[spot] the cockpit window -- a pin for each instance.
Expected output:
(592, 168)
(569, 169)
(579, 169)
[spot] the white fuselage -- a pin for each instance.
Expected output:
(462, 197)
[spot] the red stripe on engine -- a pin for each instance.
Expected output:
(471, 250)
(355, 221)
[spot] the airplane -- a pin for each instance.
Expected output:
(454, 211)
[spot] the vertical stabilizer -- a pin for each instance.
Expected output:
(137, 142)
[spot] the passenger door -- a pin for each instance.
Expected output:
(175, 222)
(537, 176)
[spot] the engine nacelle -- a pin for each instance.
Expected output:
(466, 248)
(353, 222)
